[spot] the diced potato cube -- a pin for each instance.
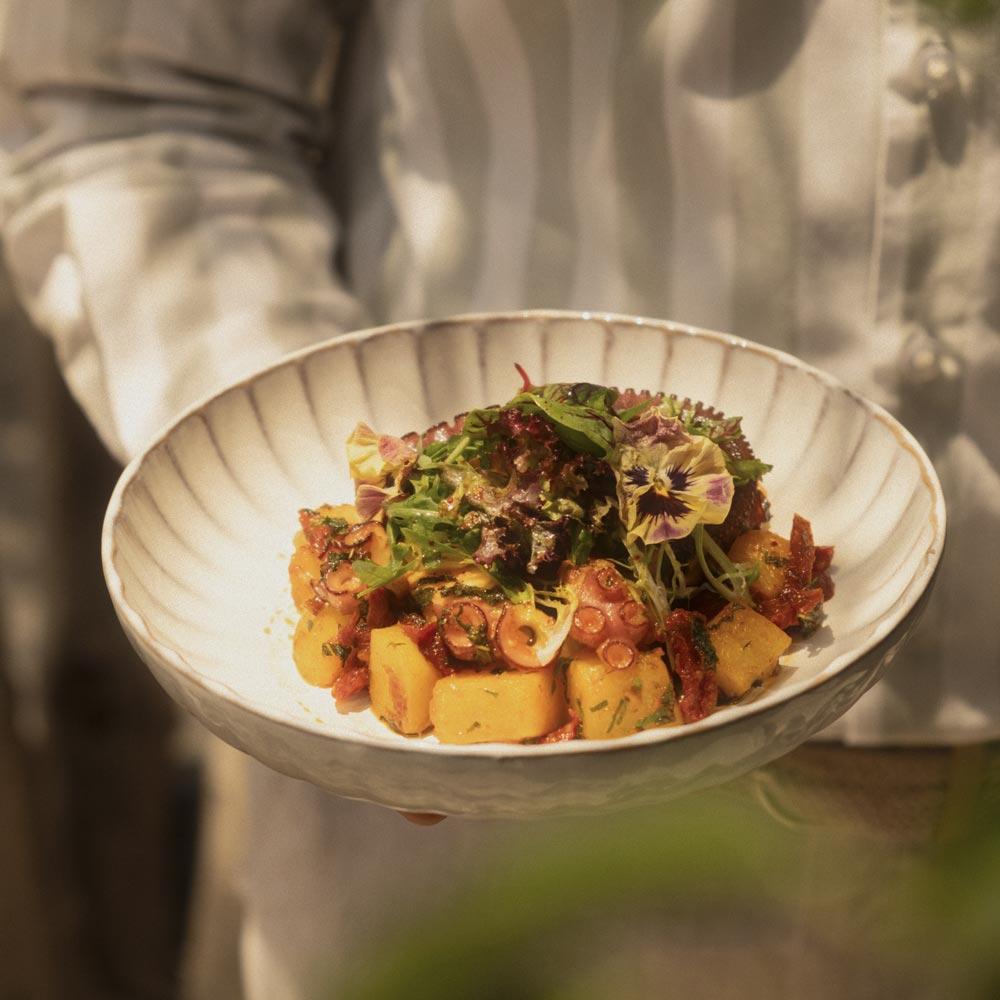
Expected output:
(475, 706)
(400, 681)
(303, 569)
(315, 651)
(340, 512)
(771, 552)
(747, 646)
(613, 703)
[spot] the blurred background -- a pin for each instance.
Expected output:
(100, 784)
(98, 800)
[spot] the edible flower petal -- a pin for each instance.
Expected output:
(666, 489)
(374, 458)
(654, 427)
(370, 498)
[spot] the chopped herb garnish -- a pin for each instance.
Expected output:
(665, 713)
(492, 596)
(656, 718)
(335, 649)
(619, 714)
(703, 643)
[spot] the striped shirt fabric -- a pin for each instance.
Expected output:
(194, 188)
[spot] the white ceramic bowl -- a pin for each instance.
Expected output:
(198, 534)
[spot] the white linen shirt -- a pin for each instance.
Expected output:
(194, 188)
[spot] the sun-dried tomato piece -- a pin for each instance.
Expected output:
(417, 628)
(822, 576)
(350, 682)
(799, 595)
(692, 662)
(570, 731)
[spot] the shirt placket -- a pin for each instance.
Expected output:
(921, 84)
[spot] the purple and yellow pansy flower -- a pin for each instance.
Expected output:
(668, 480)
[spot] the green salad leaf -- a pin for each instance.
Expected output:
(521, 489)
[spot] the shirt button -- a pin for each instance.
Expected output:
(929, 368)
(938, 71)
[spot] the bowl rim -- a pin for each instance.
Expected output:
(888, 624)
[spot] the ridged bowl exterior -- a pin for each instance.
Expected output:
(198, 535)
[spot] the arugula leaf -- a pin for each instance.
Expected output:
(581, 545)
(625, 416)
(581, 414)
(515, 588)
(746, 470)
(599, 397)
(402, 559)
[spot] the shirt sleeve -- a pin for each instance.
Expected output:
(163, 217)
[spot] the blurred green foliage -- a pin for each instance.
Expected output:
(950, 904)
(603, 913)
(964, 11)
(490, 939)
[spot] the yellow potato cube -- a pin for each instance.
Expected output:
(315, 650)
(400, 681)
(771, 552)
(747, 646)
(475, 706)
(613, 703)
(340, 511)
(303, 569)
